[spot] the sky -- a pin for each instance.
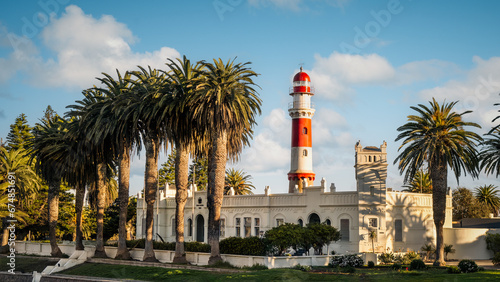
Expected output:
(369, 62)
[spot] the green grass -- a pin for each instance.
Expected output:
(323, 274)
(27, 264)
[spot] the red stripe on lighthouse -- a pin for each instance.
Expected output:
(301, 132)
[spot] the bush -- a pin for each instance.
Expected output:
(493, 242)
(467, 266)
(454, 269)
(386, 258)
(305, 268)
(256, 267)
(396, 266)
(348, 269)
(196, 247)
(496, 259)
(347, 260)
(251, 246)
(371, 264)
(417, 264)
(406, 258)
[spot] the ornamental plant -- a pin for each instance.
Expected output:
(347, 260)
(386, 258)
(468, 266)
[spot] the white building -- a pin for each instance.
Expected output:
(402, 220)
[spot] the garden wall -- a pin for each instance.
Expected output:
(469, 243)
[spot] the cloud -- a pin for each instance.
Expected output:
(84, 47)
(477, 91)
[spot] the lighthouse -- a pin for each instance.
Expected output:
(301, 111)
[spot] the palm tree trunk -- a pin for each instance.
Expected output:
(181, 185)
(215, 195)
(123, 188)
(80, 193)
(53, 200)
(5, 236)
(439, 175)
(101, 203)
(151, 187)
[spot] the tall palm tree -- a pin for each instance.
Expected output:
(123, 131)
(225, 109)
(45, 147)
(372, 235)
(239, 181)
(490, 154)
(421, 183)
(148, 87)
(183, 79)
(488, 195)
(437, 136)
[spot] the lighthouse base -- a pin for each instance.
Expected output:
(297, 180)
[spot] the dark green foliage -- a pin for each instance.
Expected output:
(322, 234)
(19, 134)
(285, 236)
(112, 213)
(196, 247)
(468, 266)
(349, 269)
(347, 260)
(396, 266)
(496, 259)
(166, 174)
(198, 173)
(454, 269)
(256, 267)
(371, 264)
(170, 246)
(252, 246)
(305, 268)
(417, 264)
(386, 258)
(466, 205)
(407, 258)
(493, 242)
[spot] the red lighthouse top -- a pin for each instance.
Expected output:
(301, 82)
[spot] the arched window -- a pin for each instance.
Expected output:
(328, 222)
(369, 158)
(304, 153)
(300, 222)
(304, 130)
(374, 158)
(314, 218)
(190, 227)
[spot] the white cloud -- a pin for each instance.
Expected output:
(84, 47)
(478, 91)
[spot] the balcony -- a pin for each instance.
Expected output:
(300, 105)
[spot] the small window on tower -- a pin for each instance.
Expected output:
(304, 130)
(304, 153)
(369, 158)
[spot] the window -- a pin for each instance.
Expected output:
(328, 222)
(300, 222)
(398, 227)
(248, 226)
(190, 227)
(344, 229)
(238, 224)
(257, 226)
(372, 222)
(222, 228)
(173, 226)
(372, 190)
(304, 130)
(304, 153)
(374, 158)
(279, 221)
(369, 158)
(200, 201)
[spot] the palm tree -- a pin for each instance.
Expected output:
(239, 182)
(225, 109)
(437, 136)
(144, 97)
(488, 195)
(45, 146)
(372, 235)
(448, 249)
(421, 183)
(123, 131)
(490, 154)
(428, 249)
(176, 107)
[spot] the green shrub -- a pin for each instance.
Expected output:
(196, 247)
(454, 269)
(467, 266)
(136, 243)
(386, 258)
(256, 267)
(305, 268)
(406, 258)
(417, 264)
(496, 259)
(347, 260)
(371, 264)
(348, 269)
(250, 246)
(396, 266)
(493, 242)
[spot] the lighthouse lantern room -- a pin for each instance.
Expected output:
(301, 111)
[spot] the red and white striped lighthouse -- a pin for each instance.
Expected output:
(301, 111)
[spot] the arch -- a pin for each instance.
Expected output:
(300, 222)
(200, 228)
(314, 218)
(328, 222)
(304, 153)
(304, 130)
(370, 159)
(190, 227)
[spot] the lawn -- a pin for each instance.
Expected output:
(27, 264)
(321, 274)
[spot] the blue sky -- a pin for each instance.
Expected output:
(368, 60)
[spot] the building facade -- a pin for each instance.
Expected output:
(401, 220)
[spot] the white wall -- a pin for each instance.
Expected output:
(469, 243)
